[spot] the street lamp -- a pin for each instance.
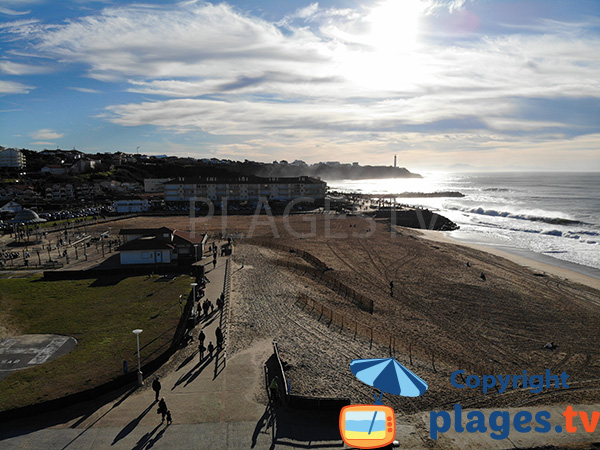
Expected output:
(194, 289)
(140, 377)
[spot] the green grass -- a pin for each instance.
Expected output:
(60, 222)
(101, 315)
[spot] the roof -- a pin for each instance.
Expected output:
(246, 179)
(146, 243)
(27, 216)
(188, 238)
(145, 231)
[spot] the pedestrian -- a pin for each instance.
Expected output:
(162, 409)
(201, 337)
(211, 348)
(219, 336)
(156, 387)
(205, 307)
(214, 260)
(274, 390)
(169, 418)
(201, 350)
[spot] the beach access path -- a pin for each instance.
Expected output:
(214, 407)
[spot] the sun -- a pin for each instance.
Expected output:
(389, 58)
(394, 25)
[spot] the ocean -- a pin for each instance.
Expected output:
(554, 217)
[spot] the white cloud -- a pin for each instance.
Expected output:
(12, 12)
(85, 90)
(46, 134)
(49, 144)
(13, 87)
(13, 68)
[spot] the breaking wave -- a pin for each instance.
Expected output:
(520, 216)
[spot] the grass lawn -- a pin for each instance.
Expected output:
(100, 314)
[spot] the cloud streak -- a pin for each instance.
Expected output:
(46, 134)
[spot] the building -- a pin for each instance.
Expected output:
(54, 169)
(11, 157)
(82, 165)
(153, 185)
(146, 250)
(131, 204)
(244, 189)
(161, 246)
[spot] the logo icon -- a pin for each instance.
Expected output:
(367, 426)
(374, 426)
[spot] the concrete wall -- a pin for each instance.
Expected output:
(144, 256)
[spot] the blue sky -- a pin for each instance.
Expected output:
(436, 82)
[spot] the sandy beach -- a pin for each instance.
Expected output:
(556, 269)
(442, 316)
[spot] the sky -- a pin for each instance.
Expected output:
(493, 84)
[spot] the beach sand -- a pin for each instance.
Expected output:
(557, 268)
(443, 315)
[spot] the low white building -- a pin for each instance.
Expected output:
(131, 205)
(146, 250)
(161, 246)
(250, 189)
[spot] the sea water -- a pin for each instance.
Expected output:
(551, 214)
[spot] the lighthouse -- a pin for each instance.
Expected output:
(394, 160)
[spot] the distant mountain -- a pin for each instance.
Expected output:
(334, 171)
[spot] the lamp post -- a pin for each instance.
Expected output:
(194, 289)
(140, 377)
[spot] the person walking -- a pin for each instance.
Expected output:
(211, 348)
(219, 337)
(274, 391)
(162, 409)
(201, 337)
(201, 350)
(156, 388)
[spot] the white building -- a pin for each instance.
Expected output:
(131, 204)
(161, 246)
(146, 250)
(11, 157)
(244, 188)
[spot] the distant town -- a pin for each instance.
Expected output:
(67, 184)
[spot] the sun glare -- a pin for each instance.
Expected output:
(391, 61)
(395, 25)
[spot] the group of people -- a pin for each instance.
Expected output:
(162, 405)
(211, 348)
